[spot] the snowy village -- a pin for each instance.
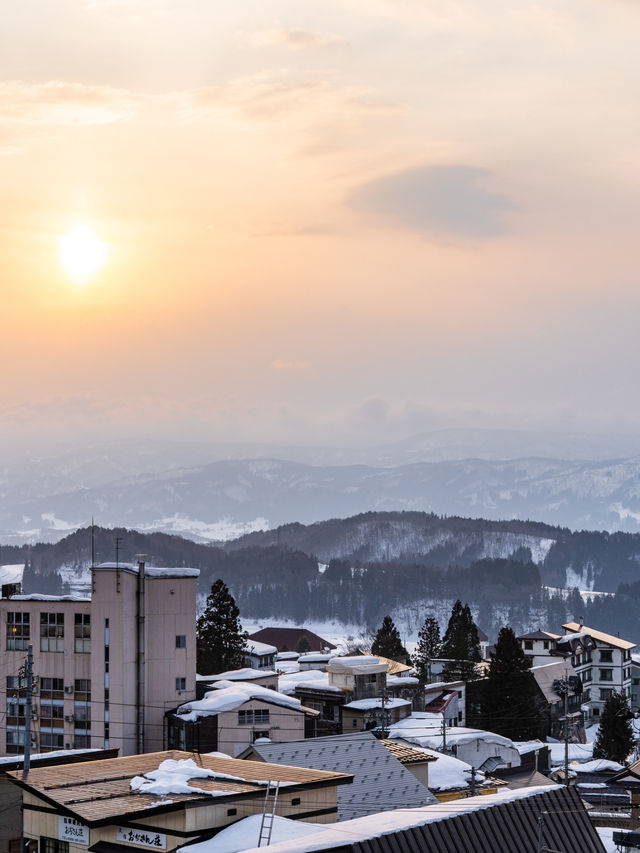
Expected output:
(132, 723)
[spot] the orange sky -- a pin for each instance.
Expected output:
(328, 220)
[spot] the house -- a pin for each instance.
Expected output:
(292, 640)
(360, 676)
(447, 698)
(602, 661)
(312, 689)
(374, 713)
(314, 660)
(380, 781)
(233, 715)
(471, 745)
(538, 646)
(11, 795)
(263, 677)
(162, 800)
(106, 667)
(526, 821)
(259, 655)
(554, 680)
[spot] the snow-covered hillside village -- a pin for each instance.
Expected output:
(139, 713)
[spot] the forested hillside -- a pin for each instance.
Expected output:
(356, 570)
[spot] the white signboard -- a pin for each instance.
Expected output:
(70, 829)
(142, 836)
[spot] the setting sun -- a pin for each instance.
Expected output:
(81, 253)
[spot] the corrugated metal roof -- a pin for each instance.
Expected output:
(503, 823)
(101, 790)
(381, 782)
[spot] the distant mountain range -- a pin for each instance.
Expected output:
(160, 486)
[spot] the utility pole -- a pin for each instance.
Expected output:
(566, 730)
(27, 673)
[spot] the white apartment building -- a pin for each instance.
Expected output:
(106, 668)
(603, 663)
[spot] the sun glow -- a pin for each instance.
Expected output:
(82, 254)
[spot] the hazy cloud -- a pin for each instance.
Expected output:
(296, 39)
(440, 199)
(282, 364)
(61, 103)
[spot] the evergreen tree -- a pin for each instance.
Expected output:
(220, 638)
(615, 738)
(509, 704)
(429, 646)
(460, 645)
(387, 642)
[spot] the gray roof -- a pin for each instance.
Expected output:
(381, 782)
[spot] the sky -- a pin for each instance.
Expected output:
(326, 221)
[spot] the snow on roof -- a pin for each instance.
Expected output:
(580, 752)
(598, 635)
(38, 596)
(360, 829)
(443, 685)
(246, 673)
(286, 666)
(402, 681)
(245, 832)
(425, 730)
(172, 777)
(598, 765)
(526, 746)
(253, 647)
(358, 665)
(150, 571)
(376, 702)
(287, 656)
(230, 696)
(58, 753)
(315, 657)
(11, 573)
(313, 679)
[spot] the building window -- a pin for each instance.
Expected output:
(18, 633)
(295, 801)
(606, 656)
(181, 641)
(605, 693)
(82, 633)
(528, 645)
(606, 675)
(52, 632)
(545, 644)
(82, 685)
(52, 845)
(181, 684)
(82, 741)
(354, 723)
(50, 710)
(248, 718)
(51, 740)
(586, 675)
(51, 686)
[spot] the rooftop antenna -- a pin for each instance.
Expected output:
(118, 541)
(93, 543)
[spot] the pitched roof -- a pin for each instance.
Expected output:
(507, 821)
(381, 782)
(99, 792)
(406, 754)
(287, 639)
(538, 635)
(599, 635)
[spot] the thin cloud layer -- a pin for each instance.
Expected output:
(435, 199)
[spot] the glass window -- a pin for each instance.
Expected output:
(605, 693)
(181, 683)
(51, 685)
(247, 718)
(18, 631)
(52, 845)
(181, 641)
(606, 675)
(51, 740)
(528, 645)
(606, 656)
(82, 685)
(52, 632)
(82, 633)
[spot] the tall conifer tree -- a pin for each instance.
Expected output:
(510, 695)
(387, 642)
(615, 738)
(220, 638)
(461, 645)
(429, 647)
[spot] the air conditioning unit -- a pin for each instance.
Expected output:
(34, 712)
(69, 718)
(68, 688)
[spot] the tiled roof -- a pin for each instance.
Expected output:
(381, 782)
(406, 754)
(100, 791)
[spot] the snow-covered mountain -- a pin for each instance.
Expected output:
(226, 498)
